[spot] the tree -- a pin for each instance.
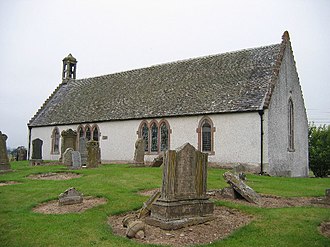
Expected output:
(319, 150)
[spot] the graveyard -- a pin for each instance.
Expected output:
(285, 214)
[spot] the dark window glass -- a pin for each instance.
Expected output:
(145, 137)
(154, 138)
(88, 134)
(81, 132)
(291, 126)
(95, 134)
(206, 137)
(56, 147)
(163, 137)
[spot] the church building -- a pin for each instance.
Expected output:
(241, 107)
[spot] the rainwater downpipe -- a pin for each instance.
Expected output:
(29, 145)
(261, 114)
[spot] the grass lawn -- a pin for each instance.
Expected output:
(19, 226)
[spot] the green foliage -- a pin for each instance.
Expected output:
(319, 150)
(20, 226)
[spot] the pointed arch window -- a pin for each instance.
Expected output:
(96, 133)
(206, 137)
(164, 137)
(205, 132)
(290, 126)
(154, 137)
(56, 141)
(81, 132)
(88, 133)
(145, 136)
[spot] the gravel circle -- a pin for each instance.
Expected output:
(52, 207)
(226, 222)
(55, 176)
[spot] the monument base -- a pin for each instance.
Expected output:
(36, 162)
(171, 215)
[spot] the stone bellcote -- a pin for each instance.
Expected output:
(69, 68)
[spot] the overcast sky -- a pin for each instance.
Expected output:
(112, 36)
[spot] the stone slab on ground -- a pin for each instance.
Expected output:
(69, 197)
(243, 189)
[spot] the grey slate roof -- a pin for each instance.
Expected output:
(230, 82)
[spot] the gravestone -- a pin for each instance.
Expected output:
(183, 199)
(36, 158)
(93, 154)
(158, 161)
(240, 187)
(83, 150)
(69, 139)
(70, 196)
(67, 157)
(76, 160)
(139, 151)
(4, 161)
(21, 153)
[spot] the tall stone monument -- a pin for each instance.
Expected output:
(4, 161)
(183, 199)
(36, 158)
(83, 150)
(76, 160)
(93, 154)
(69, 140)
(139, 151)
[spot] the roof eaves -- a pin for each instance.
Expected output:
(30, 123)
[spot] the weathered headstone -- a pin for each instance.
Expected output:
(83, 150)
(36, 158)
(93, 154)
(139, 151)
(4, 161)
(76, 160)
(21, 153)
(70, 196)
(240, 187)
(158, 161)
(69, 139)
(183, 199)
(67, 157)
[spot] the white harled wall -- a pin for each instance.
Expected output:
(236, 139)
(282, 161)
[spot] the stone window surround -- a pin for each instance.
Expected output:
(158, 124)
(84, 128)
(53, 136)
(199, 132)
(290, 125)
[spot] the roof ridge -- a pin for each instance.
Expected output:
(176, 62)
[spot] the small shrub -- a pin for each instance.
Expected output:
(319, 150)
